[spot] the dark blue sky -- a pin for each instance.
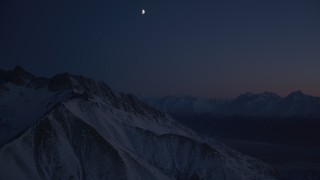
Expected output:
(206, 48)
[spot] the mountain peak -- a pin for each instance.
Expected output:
(246, 95)
(296, 94)
(21, 72)
(60, 82)
(17, 76)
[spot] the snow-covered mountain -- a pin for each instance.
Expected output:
(72, 127)
(265, 104)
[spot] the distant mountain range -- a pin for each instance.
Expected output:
(264, 117)
(283, 131)
(267, 104)
(72, 127)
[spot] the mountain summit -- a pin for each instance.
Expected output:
(72, 127)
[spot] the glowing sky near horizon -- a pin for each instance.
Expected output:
(204, 48)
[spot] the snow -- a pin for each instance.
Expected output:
(265, 104)
(147, 148)
(22, 106)
(95, 134)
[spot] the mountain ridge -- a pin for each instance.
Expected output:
(266, 104)
(72, 127)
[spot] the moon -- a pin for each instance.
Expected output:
(143, 12)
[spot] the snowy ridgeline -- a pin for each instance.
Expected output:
(71, 127)
(267, 104)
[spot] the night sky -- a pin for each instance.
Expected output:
(197, 47)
